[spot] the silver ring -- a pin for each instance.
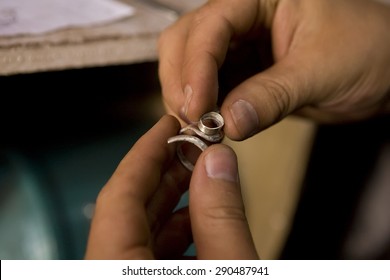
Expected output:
(187, 138)
(210, 132)
(217, 123)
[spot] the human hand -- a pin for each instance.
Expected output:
(134, 216)
(331, 61)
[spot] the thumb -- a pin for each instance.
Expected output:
(266, 98)
(219, 226)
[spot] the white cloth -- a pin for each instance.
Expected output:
(19, 17)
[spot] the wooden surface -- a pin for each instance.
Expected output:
(272, 166)
(131, 40)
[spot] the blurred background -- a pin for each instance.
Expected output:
(62, 135)
(75, 99)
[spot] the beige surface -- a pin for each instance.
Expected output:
(272, 166)
(130, 40)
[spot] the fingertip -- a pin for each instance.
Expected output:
(216, 167)
(200, 90)
(216, 207)
(171, 120)
(241, 120)
(263, 100)
(215, 174)
(220, 163)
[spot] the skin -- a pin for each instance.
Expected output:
(329, 61)
(134, 216)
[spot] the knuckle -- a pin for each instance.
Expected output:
(267, 9)
(223, 214)
(102, 196)
(280, 95)
(164, 38)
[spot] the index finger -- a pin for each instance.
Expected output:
(139, 172)
(120, 228)
(192, 50)
(184, 93)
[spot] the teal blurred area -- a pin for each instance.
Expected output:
(48, 199)
(62, 136)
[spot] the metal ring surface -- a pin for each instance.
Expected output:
(187, 138)
(217, 121)
(214, 138)
(211, 133)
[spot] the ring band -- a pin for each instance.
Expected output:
(217, 121)
(212, 133)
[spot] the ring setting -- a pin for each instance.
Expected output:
(208, 130)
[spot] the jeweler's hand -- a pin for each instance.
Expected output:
(331, 61)
(133, 217)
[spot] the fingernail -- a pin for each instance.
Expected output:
(244, 117)
(188, 96)
(221, 163)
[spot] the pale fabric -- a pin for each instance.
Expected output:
(28, 17)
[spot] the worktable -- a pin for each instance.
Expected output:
(127, 41)
(270, 197)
